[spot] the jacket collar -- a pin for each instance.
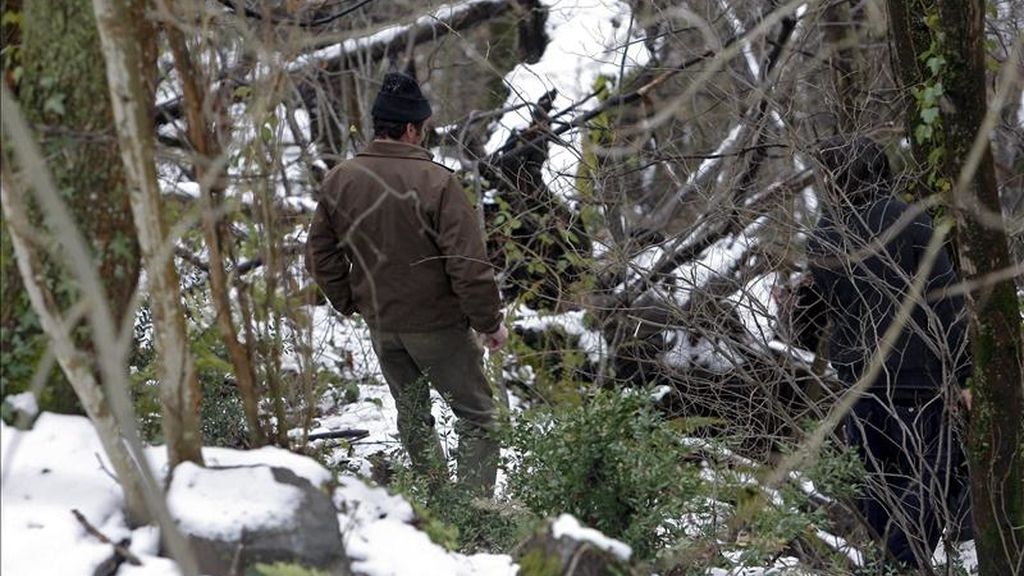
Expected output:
(396, 149)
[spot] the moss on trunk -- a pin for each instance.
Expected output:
(953, 53)
(63, 91)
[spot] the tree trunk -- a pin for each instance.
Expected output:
(179, 391)
(64, 94)
(997, 426)
(839, 32)
(911, 37)
(76, 366)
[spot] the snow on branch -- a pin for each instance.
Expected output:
(450, 18)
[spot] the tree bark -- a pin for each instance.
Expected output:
(997, 426)
(911, 37)
(180, 393)
(63, 92)
(76, 365)
(839, 31)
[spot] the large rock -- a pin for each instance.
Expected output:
(239, 516)
(563, 546)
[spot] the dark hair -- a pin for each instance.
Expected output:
(391, 129)
(857, 166)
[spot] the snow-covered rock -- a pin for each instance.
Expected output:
(569, 527)
(59, 466)
(564, 542)
(240, 516)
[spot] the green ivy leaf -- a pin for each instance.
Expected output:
(929, 115)
(11, 18)
(935, 64)
(923, 133)
(55, 105)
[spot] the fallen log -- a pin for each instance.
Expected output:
(352, 434)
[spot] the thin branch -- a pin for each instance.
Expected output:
(119, 549)
(396, 39)
(255, 14)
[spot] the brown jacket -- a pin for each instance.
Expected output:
(395, 238)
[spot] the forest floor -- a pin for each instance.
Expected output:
(58, 467)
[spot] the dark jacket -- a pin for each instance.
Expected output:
(395, 238)
(863, 286)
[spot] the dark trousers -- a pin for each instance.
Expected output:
(451, 360)
(912, 459)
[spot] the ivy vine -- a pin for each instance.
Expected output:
(928, 128)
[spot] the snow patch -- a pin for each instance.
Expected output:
(375, 525)
(24, 402)
(363, 504)
(222, 504)
(568, 525)
(48, 471)
(302, 466)
(589, 38)
(591, 341)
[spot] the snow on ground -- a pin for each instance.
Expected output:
(376, 537)
(375, 525)
(784, 566)
(590, 341)
(58, 467)
(47, 473)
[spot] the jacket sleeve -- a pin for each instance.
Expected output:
(810, 315)
(949, 309)
(327, 262)
(465, 259)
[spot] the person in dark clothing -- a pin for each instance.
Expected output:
(864, 255)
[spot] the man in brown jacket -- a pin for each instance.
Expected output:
(395, 239)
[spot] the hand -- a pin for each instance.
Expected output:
(782, 293)
(965, 396)
(496, 339)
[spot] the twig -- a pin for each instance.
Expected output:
(251, 13)
(511, 149)
(118, 548)
(105, 470)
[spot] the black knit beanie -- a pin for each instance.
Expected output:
(857, 166)
(400, 100)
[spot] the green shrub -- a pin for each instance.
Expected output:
(838, 471)
(611, 461)
(458, 520)
(282, 569)
(774, 520)
(221, 410)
